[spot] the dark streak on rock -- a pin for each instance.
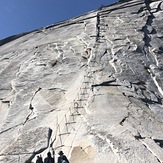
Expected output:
(138, 137)
(159, 142)
(149, 101)
(107, 83)
(98, 28)
(11, 128)
(6, 102)
(31, 107)
(124, 119)
(27, 118)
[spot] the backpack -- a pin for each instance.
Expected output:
(63, 160)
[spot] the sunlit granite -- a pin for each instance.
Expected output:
(91, 86)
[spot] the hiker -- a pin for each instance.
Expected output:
(62, 158)
(49, 158)
(39, 159)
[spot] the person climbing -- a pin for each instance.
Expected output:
(39, 159)
(62, 158)
(49, 158)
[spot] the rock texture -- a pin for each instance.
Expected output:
(91, 86)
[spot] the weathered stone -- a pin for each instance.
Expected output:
(94, 81)
(23, 148)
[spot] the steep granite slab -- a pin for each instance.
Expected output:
(90, 86)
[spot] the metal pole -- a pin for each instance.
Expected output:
(66, 123)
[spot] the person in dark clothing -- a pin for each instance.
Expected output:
(62, 158)
(39, 159)
(49, 158)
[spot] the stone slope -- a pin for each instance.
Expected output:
(90, 86)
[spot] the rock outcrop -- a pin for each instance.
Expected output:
(91, 86)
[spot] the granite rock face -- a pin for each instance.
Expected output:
(91, 86)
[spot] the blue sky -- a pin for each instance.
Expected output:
(17, 16)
